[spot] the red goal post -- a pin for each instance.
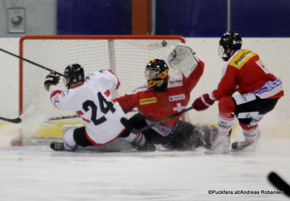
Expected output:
(126, 55)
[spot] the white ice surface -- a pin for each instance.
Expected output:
(37, 173)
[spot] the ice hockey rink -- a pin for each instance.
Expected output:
(33, 173)
(37, 173)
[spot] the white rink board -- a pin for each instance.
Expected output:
(273, 52)
(9, 81)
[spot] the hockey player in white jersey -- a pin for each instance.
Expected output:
(90, 97)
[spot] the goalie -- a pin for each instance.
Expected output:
(90, 98)
(163, 96)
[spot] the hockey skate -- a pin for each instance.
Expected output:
(220, 146)
(57, 146)
(146, 147)
(244, 146)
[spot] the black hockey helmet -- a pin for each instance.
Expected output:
(156, 70)
(232, 40)
(73, 74)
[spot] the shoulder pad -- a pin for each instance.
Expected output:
(241, 58)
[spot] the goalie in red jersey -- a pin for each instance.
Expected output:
(258, 89)
(163, 96)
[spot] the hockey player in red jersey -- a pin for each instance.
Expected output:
(163, 96)
(90, 98)
(258, 89)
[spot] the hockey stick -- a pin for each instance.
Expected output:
(63, 117)
(36, 64)
(279, 183)
(69, 117)
(22, 117)
(15, 121)
(162, 120)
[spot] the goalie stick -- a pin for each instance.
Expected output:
(22, 117)
(36, 64)
(162, 120)
(279, 183)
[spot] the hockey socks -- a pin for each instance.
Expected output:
(222, 142)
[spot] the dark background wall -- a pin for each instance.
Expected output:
(269, 18)
(189, 18)
(94, 17)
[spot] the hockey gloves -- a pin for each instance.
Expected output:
(181, 58)
(202, 103)
(51, 79)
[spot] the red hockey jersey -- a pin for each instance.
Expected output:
(158, 105)
(245, 73)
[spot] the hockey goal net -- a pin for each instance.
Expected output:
(124, 55)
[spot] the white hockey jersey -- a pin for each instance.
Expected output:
(92, 101)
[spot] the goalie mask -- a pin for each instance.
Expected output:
(156, 71)
(73, 74)
(230, 40)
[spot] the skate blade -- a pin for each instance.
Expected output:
(244, 147)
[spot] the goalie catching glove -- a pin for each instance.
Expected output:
(202, 103)
(51, 79)
(181, 58)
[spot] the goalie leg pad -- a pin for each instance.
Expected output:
(220, 145)
(184, 137)
(208, 134)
